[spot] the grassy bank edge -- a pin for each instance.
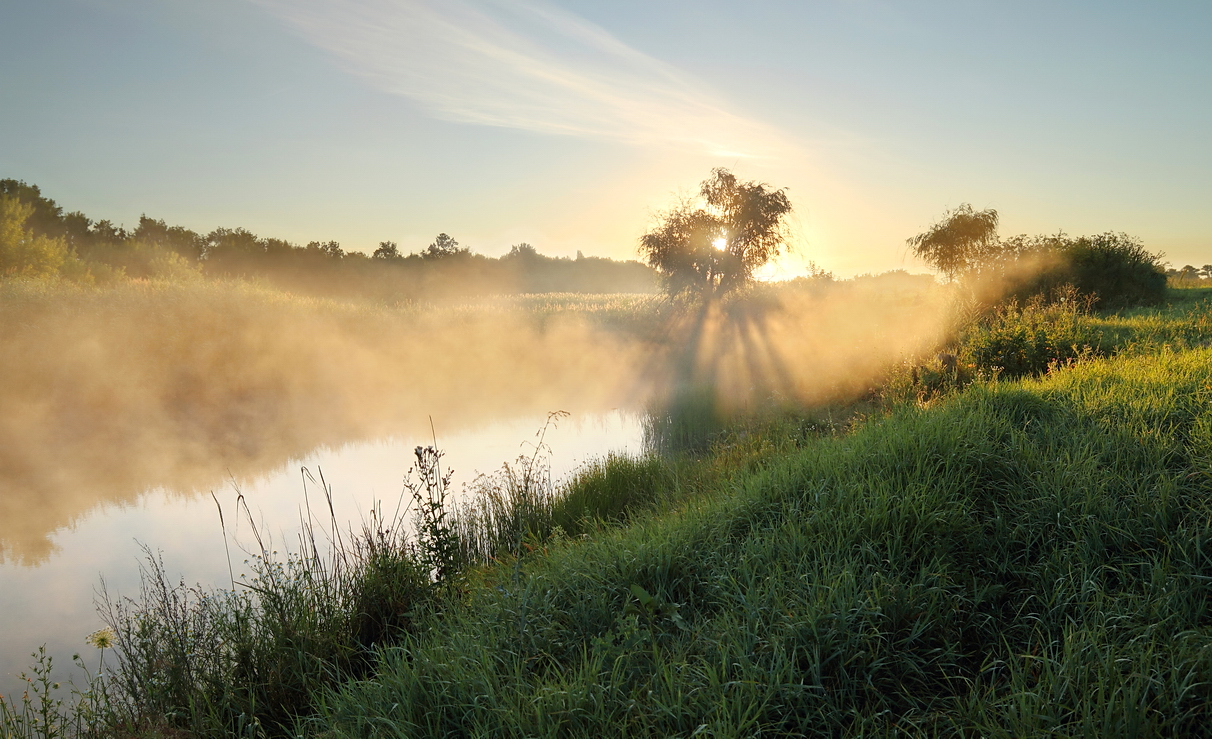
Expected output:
(734, 483)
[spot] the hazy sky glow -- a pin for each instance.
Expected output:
(525, 66)
(569, 124)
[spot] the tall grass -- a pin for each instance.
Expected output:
(1015, 340)
(247, 661)
(1022, 559)
(251, 660)
(519, 509)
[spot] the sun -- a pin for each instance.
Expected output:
(720, 243)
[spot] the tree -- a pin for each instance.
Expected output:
(329, 249)
(387, 251)
(227, 242)
(159, 234)
(444, 246)
(105, 232)
(22, 252)
(959, 242)
(522, 251)
(714, 246)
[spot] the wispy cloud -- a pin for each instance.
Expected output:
(524, 65)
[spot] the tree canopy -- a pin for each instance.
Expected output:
(388, 250)
(714, 245)
(959, 241)
(22, 252)
(443, 247)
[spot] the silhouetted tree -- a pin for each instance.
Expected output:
(442, 247)
(714, 246)
(106, 232)
(521, 251)
(330, 249)
(224, 242)
(387, 251)
(173, 238)
(1189, 273)
(959, 242)
(277, 247)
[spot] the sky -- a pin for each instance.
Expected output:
(571, 125)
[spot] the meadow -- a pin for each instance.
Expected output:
(1008, 539)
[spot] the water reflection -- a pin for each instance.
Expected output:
(106, 394)
(123, 408)
(53, 602)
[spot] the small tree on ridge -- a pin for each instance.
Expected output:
(959, 242)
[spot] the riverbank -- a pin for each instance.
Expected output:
(960, 554)
(1021, 559)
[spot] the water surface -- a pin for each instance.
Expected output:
(48, 597)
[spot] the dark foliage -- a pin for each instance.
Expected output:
(1116, 268)
(443, 269)
(958, 243)
(714, 248)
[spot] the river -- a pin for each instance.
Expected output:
(49, 589)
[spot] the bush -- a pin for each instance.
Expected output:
(1113, 268)
(1017, 341)
(1116, 268)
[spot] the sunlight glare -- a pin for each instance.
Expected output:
(720, 243)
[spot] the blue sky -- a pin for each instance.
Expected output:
(569, 125)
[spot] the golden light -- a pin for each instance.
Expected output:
(720, 243)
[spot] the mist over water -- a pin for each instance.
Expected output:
(124, 407)
(109, 394)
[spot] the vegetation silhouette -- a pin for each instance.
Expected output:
(707, 251)
(958, 242)
(46, 241)
(1115, 270)
(712, 247)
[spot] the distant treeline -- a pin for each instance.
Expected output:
(48, 240)
(1190, 274)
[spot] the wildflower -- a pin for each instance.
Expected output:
(102, 638)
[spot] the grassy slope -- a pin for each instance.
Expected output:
(1025, 558)
(1020, 558)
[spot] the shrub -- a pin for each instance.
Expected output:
(1017, 341)
(1116, 268)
